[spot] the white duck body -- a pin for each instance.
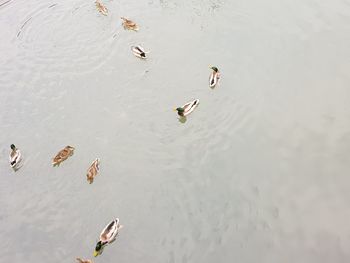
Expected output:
(107, 236)
(109, 233)
(214, 79)
(139, 52)
(190, 106)
(15, 157)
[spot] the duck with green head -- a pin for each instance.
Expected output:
(180, 111)
(99, 248)
(186, 109)
(214, 77)
(15, 156)
(107, 236)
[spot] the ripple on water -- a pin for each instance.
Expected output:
(220, 131)
(45, 37)
(5, 3)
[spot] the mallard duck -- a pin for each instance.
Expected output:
(107, 236)
(187, 108)
(84, 260)
(63, 155)
(214, 77)
(101, 8)
(15, 156)
(128, 24)
(139, 51)
(93, 170)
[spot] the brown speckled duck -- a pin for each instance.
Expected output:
(101, 8)
(128, 24)
(93, 170)
(63, 155)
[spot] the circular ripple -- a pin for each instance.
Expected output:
(66, 38)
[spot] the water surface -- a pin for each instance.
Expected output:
(258, 173)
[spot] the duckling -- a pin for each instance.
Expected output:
(15, 156)
(107, 236)
(84, 261)
(139, 52)
(63, 155)
(128, 24)
(101, 8)
(214, 77)
(93, 170)
(188, 108)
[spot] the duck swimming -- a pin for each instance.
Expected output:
(15, 156)
(214, 77)
(128, 24)
(63, 155)
(188, 108)
(101, 8)
(84, 261)
(93, 170)
(139, 52)
(107, 236)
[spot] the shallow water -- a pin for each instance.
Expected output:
(259, 171)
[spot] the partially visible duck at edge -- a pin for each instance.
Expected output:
(101, 8)
(84, 260)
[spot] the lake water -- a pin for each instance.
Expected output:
(259, 172)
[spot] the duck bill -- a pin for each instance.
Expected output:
(95, 253)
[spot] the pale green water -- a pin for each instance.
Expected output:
(258, 173)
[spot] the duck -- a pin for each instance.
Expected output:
(84, 260)
(129, 24)
(139, 51)
(214, 77)
(15, 156)
(63, 155)
(101, 8)
(188, 108)
(107, 236)
(93, 170)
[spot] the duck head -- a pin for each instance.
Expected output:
(90, 178)
(215, 69)
(99, 248)
(13, 147)
(180, 111)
